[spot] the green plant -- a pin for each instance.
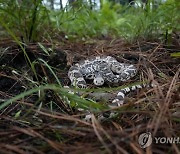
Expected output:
(32, 20)
(84, 22)
(120, 21)
(26, 19)
(149, 22)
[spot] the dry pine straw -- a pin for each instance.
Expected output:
(155, 110)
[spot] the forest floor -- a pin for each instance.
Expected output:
(33, 125)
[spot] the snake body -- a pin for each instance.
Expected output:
(100, 69)
(103, 69)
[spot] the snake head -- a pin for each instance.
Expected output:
(98, 81)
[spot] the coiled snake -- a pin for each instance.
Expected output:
(103, 69)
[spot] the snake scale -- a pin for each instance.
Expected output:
(103, 69)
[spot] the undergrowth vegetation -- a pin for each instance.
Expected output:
(33, 21)
(27, 20)
(128, 22)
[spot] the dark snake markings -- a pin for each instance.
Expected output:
(103, 69)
